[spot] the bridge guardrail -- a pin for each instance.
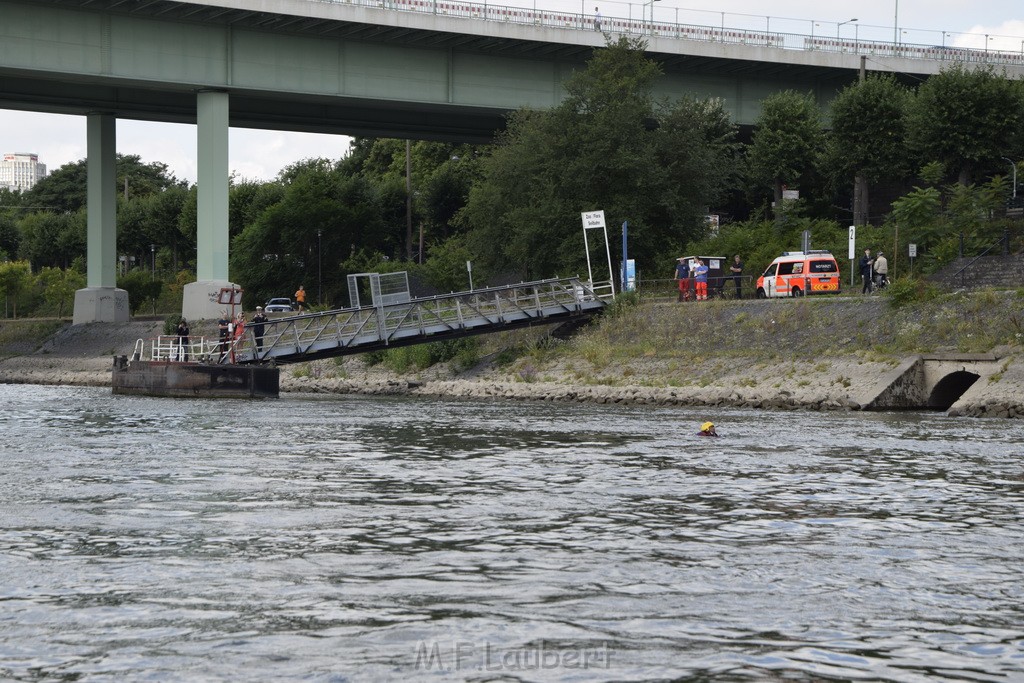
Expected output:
(697, 32)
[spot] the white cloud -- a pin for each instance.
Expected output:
(1007, 37)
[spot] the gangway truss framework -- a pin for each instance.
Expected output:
(395, 319)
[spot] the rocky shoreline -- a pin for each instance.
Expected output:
(82, 355)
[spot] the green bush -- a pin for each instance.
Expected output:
(372, 358)
(463, 352)
(141, 288)
(623, 301)
(905, 291)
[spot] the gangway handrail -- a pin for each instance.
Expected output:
(1004, 241)
(336, 332)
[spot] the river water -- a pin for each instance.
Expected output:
(372, 539)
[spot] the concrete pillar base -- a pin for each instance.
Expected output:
(199, 300)
(101, 305)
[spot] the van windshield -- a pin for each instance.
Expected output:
(823, 267)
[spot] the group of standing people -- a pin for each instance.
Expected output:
(697, 270)
(874, 270)
(231, 331)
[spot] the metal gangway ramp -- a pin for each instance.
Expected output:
(397, 320)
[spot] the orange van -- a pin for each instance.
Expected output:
(797, 273)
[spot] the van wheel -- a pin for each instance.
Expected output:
(761, 294)
(797, 291)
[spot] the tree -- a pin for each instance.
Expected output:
(15, 278)
(607, 146)
(66, 188)
(968, 119)
(786, 141)
(321, 216)
(868, 139)
(52, 239)
(59, 286)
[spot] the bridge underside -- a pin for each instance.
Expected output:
(341, 68)
(256, 109)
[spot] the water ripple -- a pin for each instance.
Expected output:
(337, 539)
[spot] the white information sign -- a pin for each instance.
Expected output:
(912, 248)
(853, 239)
(593, 219)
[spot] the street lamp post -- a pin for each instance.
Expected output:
(841, 23)
(152, 251)
(651, 25)
(896, 23)
(1014, 167)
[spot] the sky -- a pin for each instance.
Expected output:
(261, 155)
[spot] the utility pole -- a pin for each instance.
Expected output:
(408, 201)
(860, 185)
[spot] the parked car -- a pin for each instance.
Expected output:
(279, 305)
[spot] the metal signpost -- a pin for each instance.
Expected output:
(625, 256)
(912, 252)
(594, 220)
(853, 252)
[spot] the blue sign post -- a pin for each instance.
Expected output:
(625, 257)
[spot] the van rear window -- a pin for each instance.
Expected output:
(823, 267)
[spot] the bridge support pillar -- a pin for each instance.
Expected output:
(200, 298)
(101, 300)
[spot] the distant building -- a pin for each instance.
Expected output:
(20, 171)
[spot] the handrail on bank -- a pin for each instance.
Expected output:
(1004, 242)
(645, 25)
